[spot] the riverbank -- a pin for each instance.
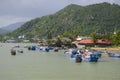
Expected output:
(109, 49)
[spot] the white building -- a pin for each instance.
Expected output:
(81, 38)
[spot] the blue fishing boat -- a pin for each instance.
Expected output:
(32, 48)
(94, 58)
(114, 55)
(78, 58)
(83, 56)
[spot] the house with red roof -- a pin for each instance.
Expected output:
(103, 43)
(88, 42)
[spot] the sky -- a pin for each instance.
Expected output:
(12, 11)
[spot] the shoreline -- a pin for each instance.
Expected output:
(108, 49)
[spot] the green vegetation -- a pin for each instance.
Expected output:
(115, 38)
(1, 37)
(83, 20)
(97, 21)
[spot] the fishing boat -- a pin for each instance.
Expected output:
(56, 50)
(78, 58)
(94, 58)
(114, 55)
(13, 52)
(43, 49)
(33, 48)
(20, 51)
(85, 56)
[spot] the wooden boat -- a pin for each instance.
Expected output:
(114, 55)
(20, 51)
(13, 52)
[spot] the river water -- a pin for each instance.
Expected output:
(35, 65)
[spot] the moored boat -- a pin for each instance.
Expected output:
(44, 49)
(56, 50)
(78, 58)
(83, 56)
(94, 58)
(33, 48)
(13, 52)
(114, 55)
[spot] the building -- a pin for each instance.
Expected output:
(81, 38)
(103, 43)
(89, 43)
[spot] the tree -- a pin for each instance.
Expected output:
(73, 35)
(49, 38)
(116, 38)
(1, 37)
(58, 43)
(94, 37)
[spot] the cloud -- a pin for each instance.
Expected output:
(11, 9)
(30, 8)
(18, 10)
(88, 2)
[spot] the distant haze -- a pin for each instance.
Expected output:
(12, 11)
(10, 28)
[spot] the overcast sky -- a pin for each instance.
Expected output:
(12, 11)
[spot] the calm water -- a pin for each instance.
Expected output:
(35, 65)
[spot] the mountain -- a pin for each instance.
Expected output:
(83, 20)
(13, 26)
(10, 28)
(2, 31)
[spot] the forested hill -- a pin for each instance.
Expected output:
(102, 18)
